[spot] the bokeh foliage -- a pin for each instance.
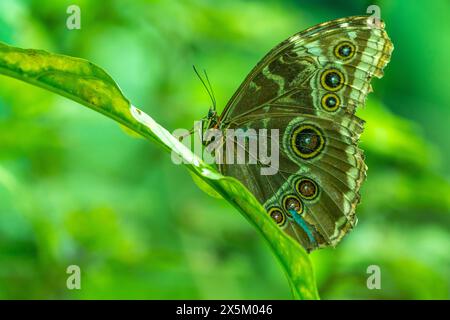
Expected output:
(82, 81)
(74, 189)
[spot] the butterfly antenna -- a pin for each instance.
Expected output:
(211, 89)
(206, 87)
(180, 138)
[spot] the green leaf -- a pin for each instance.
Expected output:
(86, 83)
(206, 188)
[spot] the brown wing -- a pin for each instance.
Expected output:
(308, 88)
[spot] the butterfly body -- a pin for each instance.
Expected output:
(308, 88)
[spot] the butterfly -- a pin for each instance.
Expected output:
(308, 88)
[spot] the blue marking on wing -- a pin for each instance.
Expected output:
(302, 224)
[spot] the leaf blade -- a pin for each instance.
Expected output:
(89, 85)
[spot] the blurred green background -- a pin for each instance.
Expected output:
(76, 189)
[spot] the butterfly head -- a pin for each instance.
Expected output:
(212, 113)
(212, 118)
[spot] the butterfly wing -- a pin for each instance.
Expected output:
(308, 87)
